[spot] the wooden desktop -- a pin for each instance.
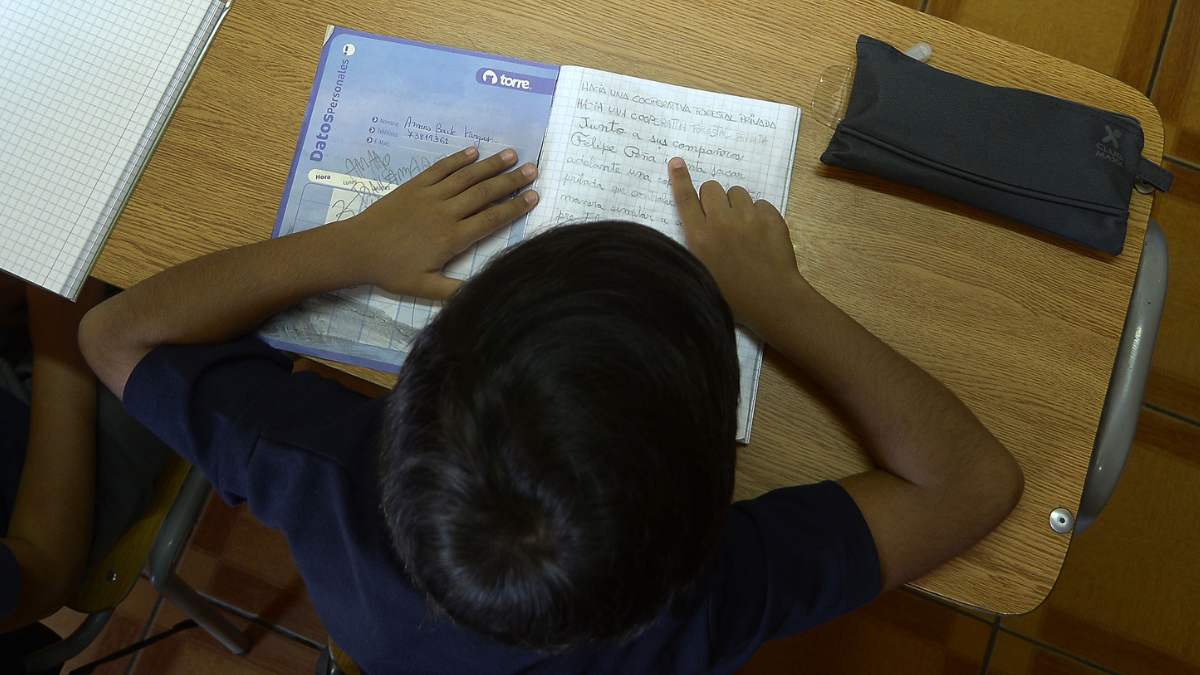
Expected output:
(1023, 327)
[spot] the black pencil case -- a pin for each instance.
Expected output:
(1057, 166)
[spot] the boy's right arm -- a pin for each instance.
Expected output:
(944, 481)
(400, 244)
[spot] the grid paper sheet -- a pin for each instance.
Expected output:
(605, 157)
(86, 88)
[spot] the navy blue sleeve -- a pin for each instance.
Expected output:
(788, 561)
(214, 405)
(10, 582)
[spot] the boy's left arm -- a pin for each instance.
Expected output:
(50, 529)
(400, 244)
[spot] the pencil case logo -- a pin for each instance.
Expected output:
(1105, 152)
(515, 81)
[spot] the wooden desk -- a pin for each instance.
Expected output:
(1022, 327)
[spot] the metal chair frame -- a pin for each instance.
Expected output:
(179, 519)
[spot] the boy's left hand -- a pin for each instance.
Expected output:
(744, 243)
(408, 236)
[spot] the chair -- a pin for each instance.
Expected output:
(1123, 402)
(180, 491)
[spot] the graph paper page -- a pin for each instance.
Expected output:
(605, 157)
(80, 84)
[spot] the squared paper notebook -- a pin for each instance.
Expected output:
(383, 109)
(86, 89)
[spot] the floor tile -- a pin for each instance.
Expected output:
(195, 651)
(1015, 656)
(237, 560)
(899, 633)
(1177, 86)
(1174, 382)
(1126, 598)
(124, 628)
(1120, 38)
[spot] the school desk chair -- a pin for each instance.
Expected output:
(1123, 402)
(180, 491)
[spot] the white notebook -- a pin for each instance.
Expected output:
(86, 89)
(577, 180)
(604, 141)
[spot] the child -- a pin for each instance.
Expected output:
(75, 470)
(547, 489)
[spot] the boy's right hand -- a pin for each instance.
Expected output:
(745, 245)
(405, 239)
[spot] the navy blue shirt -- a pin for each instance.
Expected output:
(300, 450)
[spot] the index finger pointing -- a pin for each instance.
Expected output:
(686, 198)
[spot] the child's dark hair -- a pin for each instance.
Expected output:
(557, 458)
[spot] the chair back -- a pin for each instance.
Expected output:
(107, 581)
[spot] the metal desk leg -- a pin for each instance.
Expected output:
(182, 515)
(1122, 404)
(61, 652)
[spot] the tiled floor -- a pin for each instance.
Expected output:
(1128, 596)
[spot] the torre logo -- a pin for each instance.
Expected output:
(490, 77)
(522, 82)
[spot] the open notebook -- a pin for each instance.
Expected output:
(601, 142)
(86, 89)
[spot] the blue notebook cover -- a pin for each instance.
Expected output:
(382, 110)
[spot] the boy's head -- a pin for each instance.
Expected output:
(557, 458)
